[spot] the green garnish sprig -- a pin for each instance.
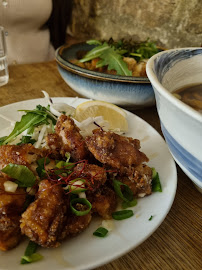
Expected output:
(123, 214)
(33, 118)
(156, 184)
(101, 232)
(111, 53)
(30, 254)
(23, 175)
(83, 202)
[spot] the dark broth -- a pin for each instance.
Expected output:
(191, 95)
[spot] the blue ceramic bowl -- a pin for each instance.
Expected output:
(125, 91)
(181, 125)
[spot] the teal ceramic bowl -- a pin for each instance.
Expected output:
(126, 91)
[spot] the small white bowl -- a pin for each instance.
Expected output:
(181, 125)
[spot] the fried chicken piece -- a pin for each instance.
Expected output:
(115, 150)
(76, 224)
(11, 207)
(54, 144)
(104, 201)
(72, 141)
(44, 219)
(139, 179)
(25, 154)
(95, 176)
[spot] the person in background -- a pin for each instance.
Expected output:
(34, 29)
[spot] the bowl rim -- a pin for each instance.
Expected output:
(93, 74)
(164, 92)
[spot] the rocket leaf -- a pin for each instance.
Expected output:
(95, 52)
(114, 60)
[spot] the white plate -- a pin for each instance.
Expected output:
(86, 251)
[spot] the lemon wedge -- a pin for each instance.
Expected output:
(110, 112)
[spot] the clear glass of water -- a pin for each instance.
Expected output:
(4, 76)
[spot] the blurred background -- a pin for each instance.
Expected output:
(171, 23)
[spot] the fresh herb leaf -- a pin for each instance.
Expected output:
(150, 218)
(23, 175)
(111, 53)
(26, 139)
(94, 42)
(101, 232)
(114, 60)
(27, 120)
(147, 50)
(95, 52)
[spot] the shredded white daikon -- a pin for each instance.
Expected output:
(58, 108)
(88, 125)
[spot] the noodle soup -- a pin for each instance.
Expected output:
(191, 95)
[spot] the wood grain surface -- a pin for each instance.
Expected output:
(177, 243)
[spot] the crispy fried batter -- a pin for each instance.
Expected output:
(11, 207)
(25, 154)
(95, 175)
(75, 224)
(115, 150)
(138, 179)
(104, 201)
(72, 141)
(54, 144)
(44, 219)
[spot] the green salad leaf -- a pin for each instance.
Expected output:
(95, 52)
(111, 53)
(24, 177)
(114, 60)
(29, 121)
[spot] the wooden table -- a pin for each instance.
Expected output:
(177, 242)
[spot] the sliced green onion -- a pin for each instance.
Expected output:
(64, 165)
(120, 215)
(156, 184)
(154, 173)
(67, 155)
(83, 202)
(23, 175)
(129, 204)
(101, 232)
(29, 251)
(32, 258)
(150, 218)
(123, 191)
(77, 185)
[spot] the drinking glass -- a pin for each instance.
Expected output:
(3, 58)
